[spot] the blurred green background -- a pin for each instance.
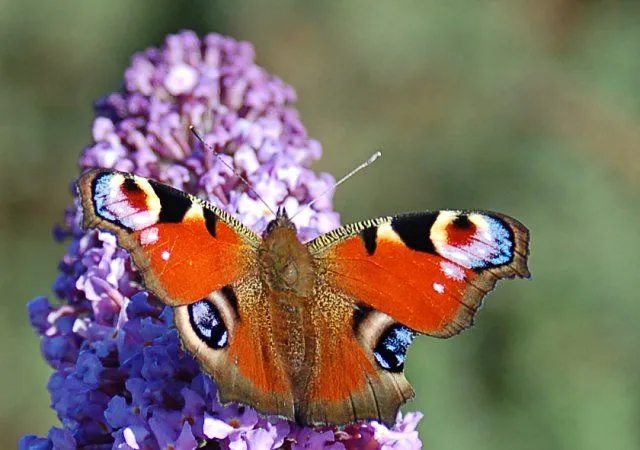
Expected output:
(529, 108)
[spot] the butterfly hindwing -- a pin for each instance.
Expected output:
(184, 247)
(229, 333)
(344, 383)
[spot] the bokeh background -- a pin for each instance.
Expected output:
(529, 108)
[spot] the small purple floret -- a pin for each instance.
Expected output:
(121, 379)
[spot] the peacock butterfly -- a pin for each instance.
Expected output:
(314, 332)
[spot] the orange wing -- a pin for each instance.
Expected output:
(200, 260)
(428, 271)
(386, 279)
(229, 334)
(184, 247)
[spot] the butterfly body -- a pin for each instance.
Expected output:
(286, 266)
(287, 273)
(315, 332)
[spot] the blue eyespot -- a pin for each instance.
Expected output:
(502, 240)
(491, 246)
(392, 347)
(102, 192)
(207, 324)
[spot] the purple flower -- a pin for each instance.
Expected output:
(121, 379)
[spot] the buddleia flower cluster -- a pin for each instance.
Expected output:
(120, 377)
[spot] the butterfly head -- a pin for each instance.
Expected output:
(281, 221)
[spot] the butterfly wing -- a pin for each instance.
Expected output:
(229, 333)
(202, 261)
(429, 271)
(185, 248)
(424, 273)
(377, 281)
(343, 384)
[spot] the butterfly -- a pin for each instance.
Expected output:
(314, 332)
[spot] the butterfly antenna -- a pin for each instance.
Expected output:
(217, 155)
(365, 164)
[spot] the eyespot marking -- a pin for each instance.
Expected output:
(102, 192)
(207, 323)
(130, 185)
(473, 240)
(391, 350)
(125, 201)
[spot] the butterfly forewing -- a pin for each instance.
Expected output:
(429, 271)
(184, 247)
